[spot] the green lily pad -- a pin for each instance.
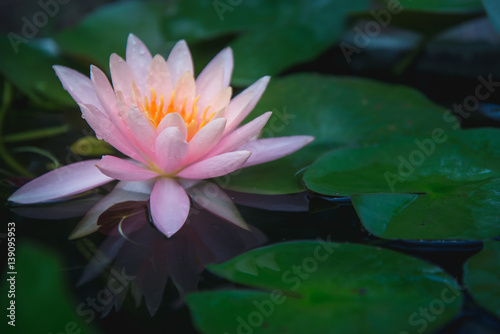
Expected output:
(28, 65)
(428, 17)
(493, 10)
(482, 277)
(468, 212)
(435, 163)
(105, 31)
(446, 6)
(323, 287)
(337, 111)
(274, 34)
(270, 36)
(442, 187)
(41, 302)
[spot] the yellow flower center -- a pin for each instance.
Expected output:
(155, 110)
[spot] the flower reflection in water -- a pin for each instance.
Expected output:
(134, 248)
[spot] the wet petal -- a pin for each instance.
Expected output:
(77, 85)
(122, 76)
(179, 61)
(124, 170)
(142, 131)
(138, 57)
(105, 129)
(205, 139)
(171, 149)
(173, 120)
(184, 92)
(240, 136)
(238, 109)
(269, 149)
(62, 182)
(158, 78)
(103, 91)
(215, 76)
(216, 166)
(217, 104)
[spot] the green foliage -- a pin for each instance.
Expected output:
(439, 187)
(482, 277)
(337, 111)
(42, 304)
(323, 287)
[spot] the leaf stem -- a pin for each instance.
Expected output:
(4, 107)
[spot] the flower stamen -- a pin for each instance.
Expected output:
(155, 111)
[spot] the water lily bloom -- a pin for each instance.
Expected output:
(174, 130)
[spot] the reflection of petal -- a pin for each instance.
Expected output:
(68, 209)
(123, 191)
(152, 277)
(151, 258)
(101, 258)
(298, 202)
(210, 197)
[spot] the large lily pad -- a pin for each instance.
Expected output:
(338, 111)
(274, 34)
(412, 165)
(466, 212)
(270, 35)
(482, 277)
(105, 31)
(27, 63)
(447, 188)
(322, 287)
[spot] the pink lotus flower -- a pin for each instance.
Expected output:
(176, 131)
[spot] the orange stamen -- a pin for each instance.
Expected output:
(156, 110)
